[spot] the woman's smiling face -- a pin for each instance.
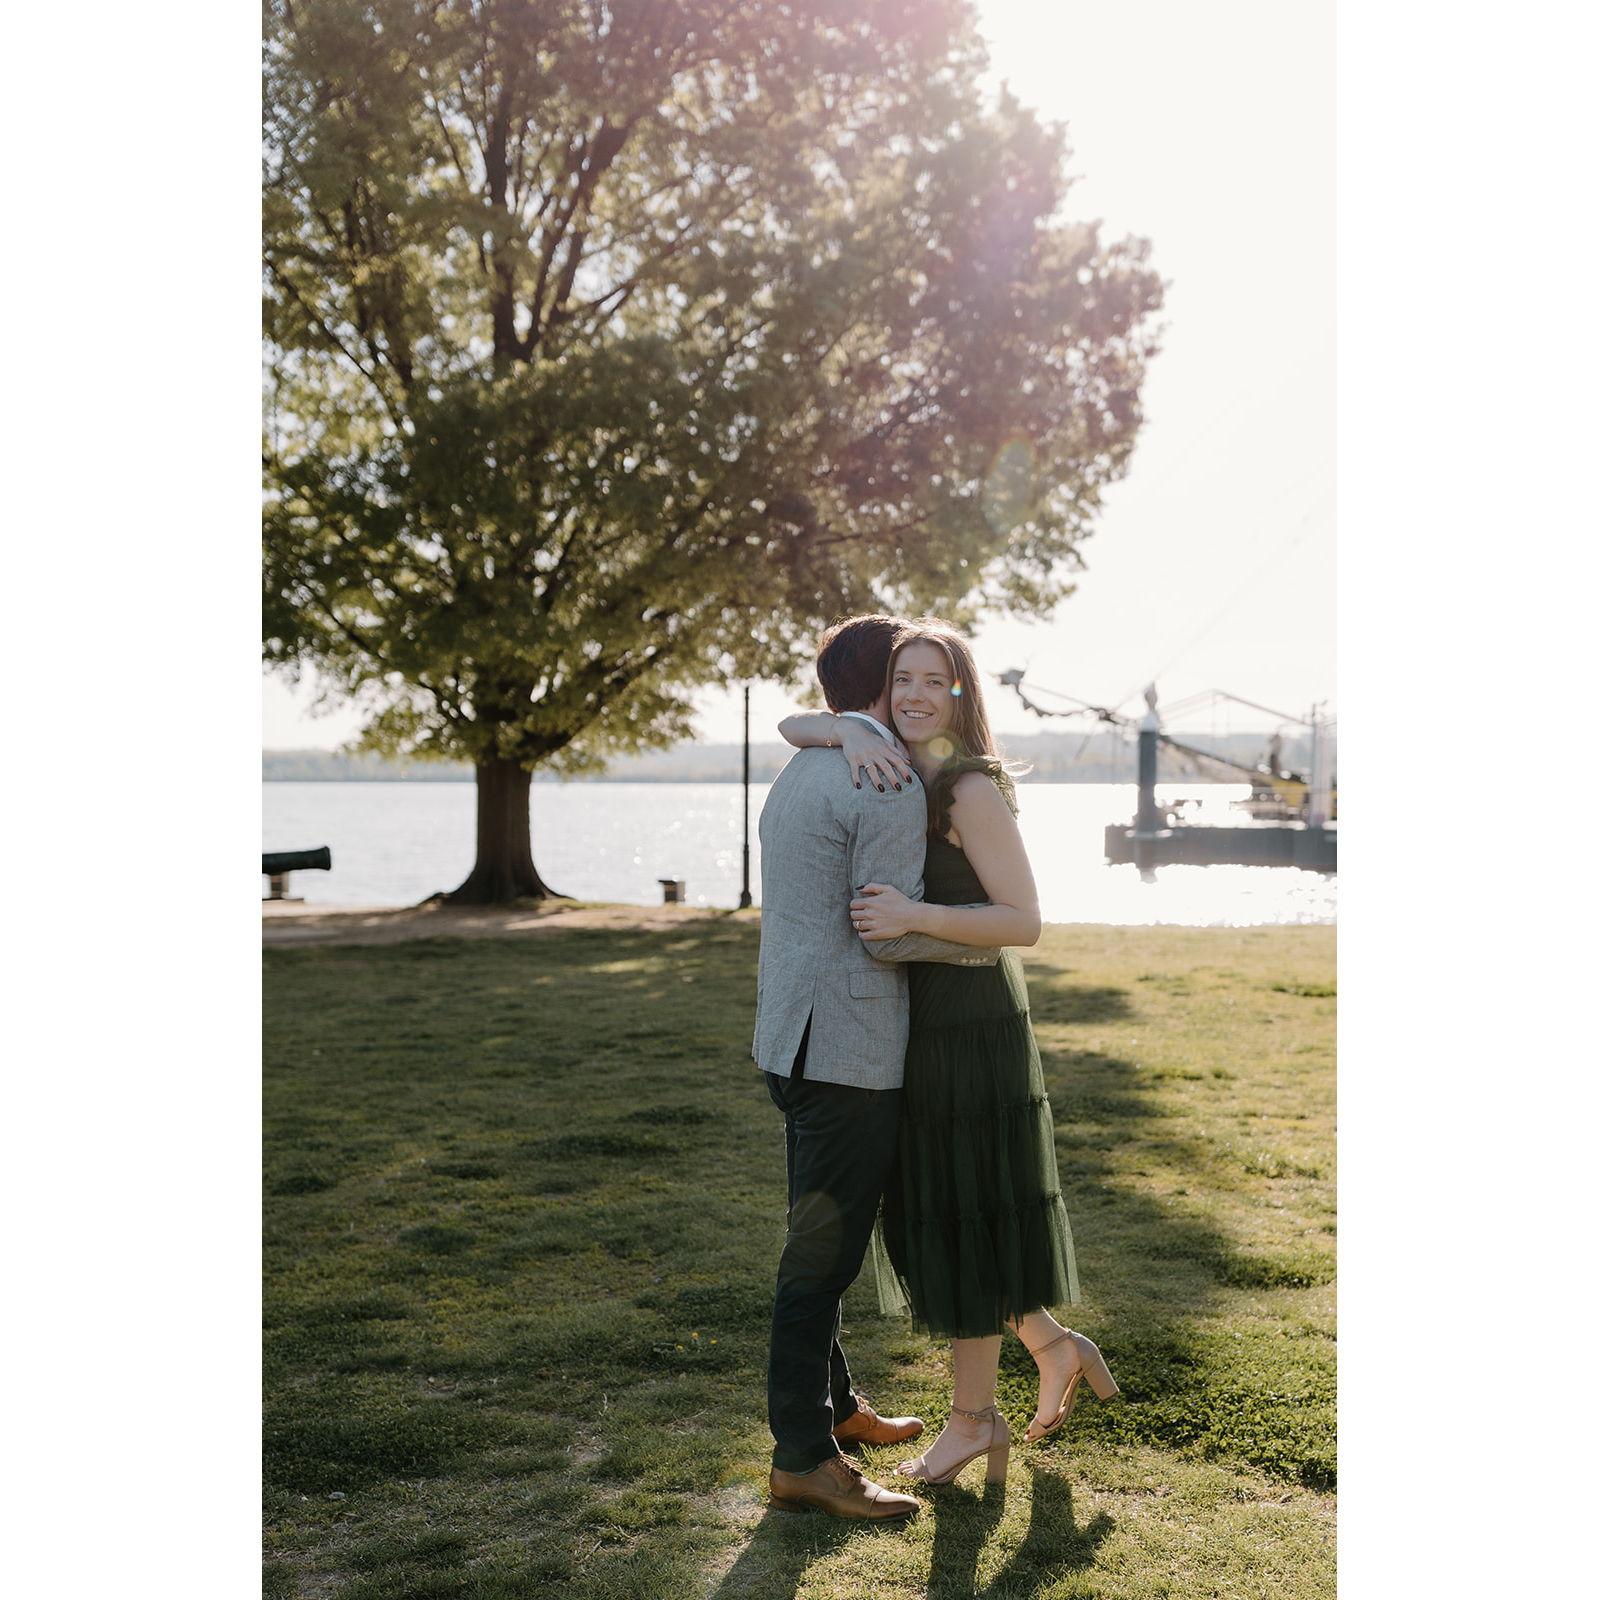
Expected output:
(920, 692)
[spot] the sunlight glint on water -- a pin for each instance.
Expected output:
(395, 843)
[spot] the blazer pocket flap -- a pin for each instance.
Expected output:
(867, 985)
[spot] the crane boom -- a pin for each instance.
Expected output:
(1291, 787)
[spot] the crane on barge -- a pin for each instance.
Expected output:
(1291, 813)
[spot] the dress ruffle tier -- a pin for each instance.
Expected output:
(974, 1224)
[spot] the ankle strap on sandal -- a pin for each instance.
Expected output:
(1049, 1344)
(976, 1416)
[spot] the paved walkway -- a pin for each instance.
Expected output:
(288, 923)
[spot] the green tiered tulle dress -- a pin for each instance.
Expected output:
(973, 1219)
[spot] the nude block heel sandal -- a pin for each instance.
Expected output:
(999, 1454)
(1095, 1368)
(998, 1451)
(1091, 1365)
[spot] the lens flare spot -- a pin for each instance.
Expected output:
(955, 688)
(1009, 485)
(942, 747)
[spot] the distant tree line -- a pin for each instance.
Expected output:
(1104, 757)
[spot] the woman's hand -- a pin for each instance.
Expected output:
(880, 911)
(870, 756)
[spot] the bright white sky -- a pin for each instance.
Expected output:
(1210, 131)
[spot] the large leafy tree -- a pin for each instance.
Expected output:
(613, 345)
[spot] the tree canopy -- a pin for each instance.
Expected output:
(612, 348)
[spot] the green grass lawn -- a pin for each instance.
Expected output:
(524, 1202)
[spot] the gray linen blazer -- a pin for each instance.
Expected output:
(822, 839)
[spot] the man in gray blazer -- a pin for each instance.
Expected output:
(832, 1019)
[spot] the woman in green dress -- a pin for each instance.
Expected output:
(974, 1221)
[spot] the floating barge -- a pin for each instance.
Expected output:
(1270, 839)
(1260, 844)
(1293, 819)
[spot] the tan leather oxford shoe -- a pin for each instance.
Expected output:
(865, 1426)
(840, 1488)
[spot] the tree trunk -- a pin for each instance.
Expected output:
(504, 870)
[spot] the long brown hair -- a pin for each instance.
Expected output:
(972, 742)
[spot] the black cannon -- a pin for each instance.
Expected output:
(276, 865)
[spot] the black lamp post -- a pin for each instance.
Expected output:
(744, 893)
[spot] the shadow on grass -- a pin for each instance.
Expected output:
(784, 1546)
(963, 1523)
(1055, 1545)
(782, 1549)
(1051, 1001)
(1154, 1274)
(524, 1200)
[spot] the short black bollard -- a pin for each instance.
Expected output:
(276, 865)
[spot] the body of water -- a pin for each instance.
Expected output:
(396, 843)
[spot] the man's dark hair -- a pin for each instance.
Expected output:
(853, 661)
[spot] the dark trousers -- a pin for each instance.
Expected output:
(841, 1143)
